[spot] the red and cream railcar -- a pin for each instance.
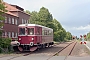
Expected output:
(33, 36)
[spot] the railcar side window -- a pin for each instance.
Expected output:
(45, 32)
(38, 31)
(21, 31)
(42, 32)
(30, 31)
(50, 32)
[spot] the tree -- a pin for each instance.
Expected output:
(88, 36)
(4, 42)
(2, 11)
(59, 31)
(57, 25)
(34, 17)
(5, 45)
(59, 35)
(28, 12)
(44, 16)
(68, 36)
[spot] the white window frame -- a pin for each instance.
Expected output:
(16, 35)
(22, 21)
(5, 19)
(9, 34)
(12, 34)
(9, 20)
(5, 33)
(16, 21)
(25, 21)
(12, 20)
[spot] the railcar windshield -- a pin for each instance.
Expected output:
(21, 31)
(30, 31)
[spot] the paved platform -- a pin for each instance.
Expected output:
(25, 58)
(78, 58)
(6, 57)
(88, 44)
(45, 58)
(58, 58)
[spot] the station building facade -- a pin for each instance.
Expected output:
(14, 16)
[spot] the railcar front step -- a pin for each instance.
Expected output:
(33, 48)
(26, 50)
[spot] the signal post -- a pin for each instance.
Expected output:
(83, 39)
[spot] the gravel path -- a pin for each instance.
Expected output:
(80, 50)
(67, 50)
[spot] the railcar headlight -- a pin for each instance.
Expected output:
(32, 38)
(19, 38)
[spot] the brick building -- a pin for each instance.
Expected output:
(13, 18)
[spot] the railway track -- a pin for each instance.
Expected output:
(63, 50)
(54, 54)
(25, 54)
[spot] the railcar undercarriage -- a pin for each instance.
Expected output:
(31, 48)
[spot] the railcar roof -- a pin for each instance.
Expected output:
(21, 25)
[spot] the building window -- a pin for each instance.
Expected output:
(27, 22)
(5, 33)
(9, 20)
(16, 22)
(5, 19)
(22, 21)
(21, 31)
(12, 20)
(9, 34)
(16, 35)
(12, 34)
(30, 31)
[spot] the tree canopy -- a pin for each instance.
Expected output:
(88, 35)
(2, 11)
(4, 42)
(45, 18)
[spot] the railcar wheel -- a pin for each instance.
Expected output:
(48, 44)
(20, 48)
(44, 45)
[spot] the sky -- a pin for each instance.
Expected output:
(73, 15)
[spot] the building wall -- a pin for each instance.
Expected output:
(13, 18)
(10, 28)
(23, 18)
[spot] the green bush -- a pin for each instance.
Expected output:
(4, 44)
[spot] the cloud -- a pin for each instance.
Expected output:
(80, 28)
(83, 28)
